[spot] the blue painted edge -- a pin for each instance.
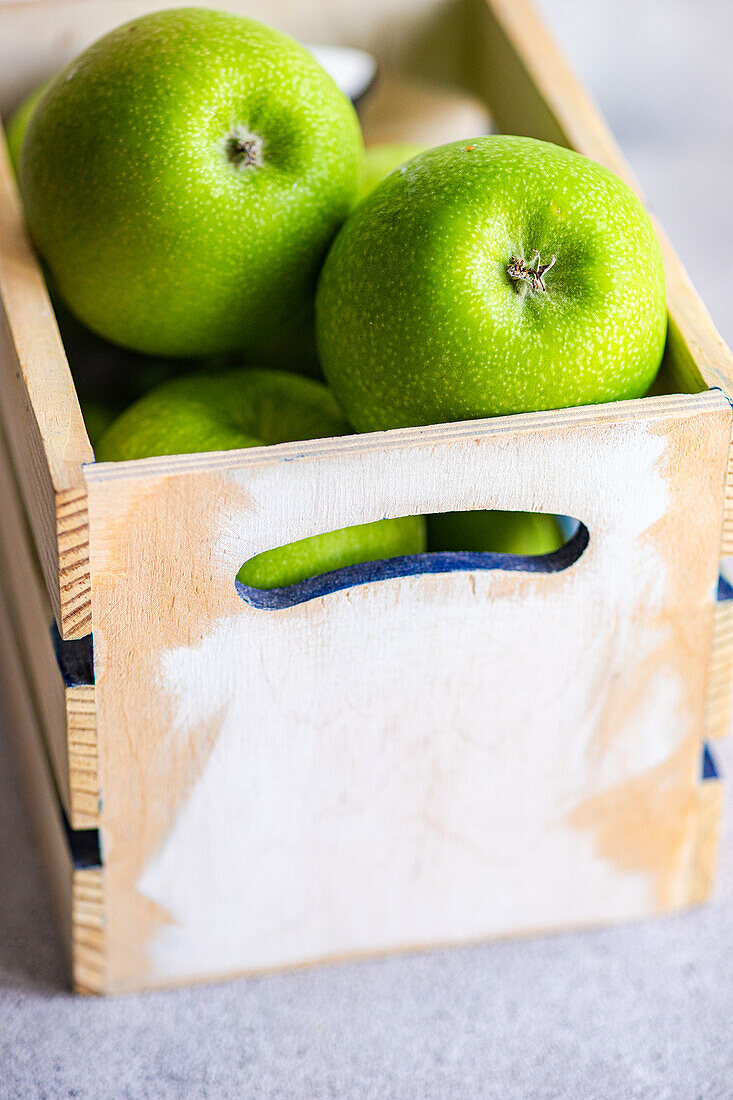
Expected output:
(83, 845)
(710, 769)
(75, 658)
(413, 565)
(725, 589)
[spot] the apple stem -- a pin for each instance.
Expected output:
(243, 149)
(518, 268)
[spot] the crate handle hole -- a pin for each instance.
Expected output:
(574, 534)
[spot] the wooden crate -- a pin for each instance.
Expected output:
(423, 759)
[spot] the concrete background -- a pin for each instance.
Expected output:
(641, 1011)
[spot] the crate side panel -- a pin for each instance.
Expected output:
(27, 604)
(39, 789)
(81, 732)
(77, 894)
(426, 760)
(42, 418)
(67, 714)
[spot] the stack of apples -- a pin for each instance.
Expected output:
(197, 187)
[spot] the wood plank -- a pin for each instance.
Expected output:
(77, 894)
(401, 109)
(81, 722)
(460, 735)
(41, 800)
(43, 421)
(532, 90)
(727, 544)
(424, 37)
(383, 761)
(580, 418)
(66, 713)
(707, 841)
(88, 918)
(720, 677)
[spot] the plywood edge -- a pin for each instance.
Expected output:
(28, 609)
(727, 539)
(532, 89)
(77, 893)
(75, 590)
(88, 931)
(81, 720)
(720, 675)
(43, 418)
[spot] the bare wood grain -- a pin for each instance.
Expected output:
(44, 813)
(42, 418)
(81, 724)
(66, 714)
(77, 894)
(721, 673)
(567, 421)
(727, 544)
(88, 920)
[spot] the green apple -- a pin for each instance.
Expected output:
(19, 123)
(494, 276)
(526, 533)
(380, 160)
(250, 408)
(294, 347)
(184, 177)
(97, 418)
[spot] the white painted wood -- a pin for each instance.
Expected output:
(425, 760)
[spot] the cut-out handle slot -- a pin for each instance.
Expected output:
(411, 565)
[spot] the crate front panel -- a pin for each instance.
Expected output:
(420, 760)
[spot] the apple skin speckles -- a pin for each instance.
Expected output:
(248, 408)
(419, 322)
(156, 240)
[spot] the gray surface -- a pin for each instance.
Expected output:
(642, 1011)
